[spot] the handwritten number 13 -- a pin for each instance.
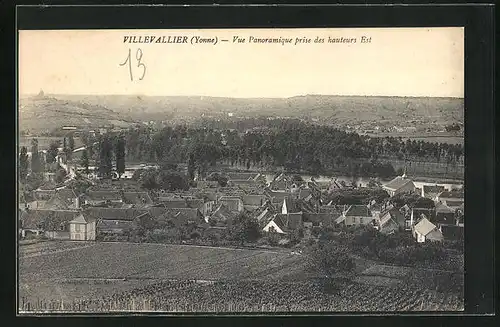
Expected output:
(138, 57)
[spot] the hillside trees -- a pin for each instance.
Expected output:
(105, 157)
(243, 229)
(120, 156)
(85, 161)
(23, 163)
(53, 151)
(36, 165)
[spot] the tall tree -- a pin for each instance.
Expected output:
(52, 152)
(105, 157)
(71, 143)
(35, 157)
(120, 156)
(85, 161)
(23, 163)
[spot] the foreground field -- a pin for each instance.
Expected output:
(103, 277)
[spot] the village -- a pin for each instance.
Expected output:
(285, 208)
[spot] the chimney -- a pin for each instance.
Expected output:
(77, 202)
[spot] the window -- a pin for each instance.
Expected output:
(77, 227)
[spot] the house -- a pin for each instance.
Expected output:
(444, 215)
(399, 184)
(103, 197)
(207, 184)
(233, 176)
(53, 224)
(416, 213)
(289, 205)
(43, 194)
(252, 202)
(233, 203)
(264, 215)
(82, 228)
(390, 220)
(318, 219)
(335, 186)
(425, 231)
(113, 221)
(137, 198)
(277, 197)
(355, 215)
(183, 216)
(64, 199)
(452, 232)
(305, 194)
(454, 196)
(284, 223)
(281, 183)
(431, 191)
(222, 214)
(243, 183)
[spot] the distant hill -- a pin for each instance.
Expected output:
(329, 109)
(45, 113)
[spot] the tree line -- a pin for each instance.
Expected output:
(290, 143)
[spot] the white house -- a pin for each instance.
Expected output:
(426, 231)
(82, 229)
(400, 184)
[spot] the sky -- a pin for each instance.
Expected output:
(396, 62)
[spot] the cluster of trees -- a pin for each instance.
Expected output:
(397, 248)
(239, 230)
(296, 145)
(161, 179)
(103, 150)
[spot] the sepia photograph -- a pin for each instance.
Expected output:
(277, 170)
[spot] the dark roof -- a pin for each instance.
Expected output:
(240, 176)
(114, 213)
(109, 225)
(104, 195)
(433, 189)
(441, 208)
(397, 183)
(43, 194)
(254, 199)
(173, 203)
(304, 192)
(452, 232)
(451, 203)
(137, 197)
(46, 219)
(189, 213)
(324, 218)
(358, 211)
(59, 202)
(452, 194)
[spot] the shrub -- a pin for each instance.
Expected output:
(328, 258)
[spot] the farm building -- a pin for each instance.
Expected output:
(82, 228)
(425, 231)
(399, 184)
(355, 215)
